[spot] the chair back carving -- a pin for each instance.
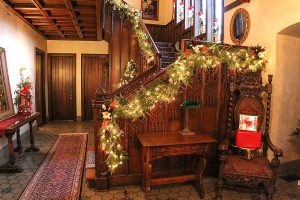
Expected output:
(248, 99)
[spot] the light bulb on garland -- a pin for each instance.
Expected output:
(129, 73)
(206, 55)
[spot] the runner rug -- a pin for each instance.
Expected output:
(59, 176)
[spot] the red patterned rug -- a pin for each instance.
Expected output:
(59, 176)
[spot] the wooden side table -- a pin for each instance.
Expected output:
(158, 145)
(10, 130)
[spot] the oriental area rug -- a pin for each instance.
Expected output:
(60, 174)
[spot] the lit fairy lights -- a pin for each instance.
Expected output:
(134, 16)
(206, 55)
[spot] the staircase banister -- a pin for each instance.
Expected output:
(142, 81)
(110, 94)
(151, 39)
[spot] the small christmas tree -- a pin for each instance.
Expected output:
(129, 73)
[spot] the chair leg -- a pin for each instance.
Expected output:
(270, 190)
(220, 185)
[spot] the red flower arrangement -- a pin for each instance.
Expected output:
(23, 94)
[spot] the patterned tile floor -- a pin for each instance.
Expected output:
(12, 185)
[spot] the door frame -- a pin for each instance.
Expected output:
(49, 77)
(42, 83)
(83, 83)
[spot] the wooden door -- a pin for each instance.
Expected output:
(40, 101)
(62, 87)
(93, 77)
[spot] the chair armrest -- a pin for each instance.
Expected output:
(277, 152)
(224, 145)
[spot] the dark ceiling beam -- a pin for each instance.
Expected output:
(10, 6)
(235, 4)
(25, 6)
(33, 16)
(39, 5)
(72, 14)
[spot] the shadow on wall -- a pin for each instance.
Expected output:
(286, 92)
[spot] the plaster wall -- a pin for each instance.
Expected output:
(268, 18)
(165, 11)
(286, 96)
(78, 48)
(19, 41)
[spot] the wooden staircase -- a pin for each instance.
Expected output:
(209, 87)
(168, 53)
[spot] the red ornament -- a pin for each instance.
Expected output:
(187, 52)
(104, 124)
(204, 49)
(200, 13)
(113, 104)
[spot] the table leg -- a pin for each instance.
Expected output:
(11, 167)
(12, 159)
(147, 173)
(32, 146)
(200, 171)
(19, 142)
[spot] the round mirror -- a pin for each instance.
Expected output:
(239, 26)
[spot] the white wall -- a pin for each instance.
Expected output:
(267, 19)
(19, 41)
(78, 48)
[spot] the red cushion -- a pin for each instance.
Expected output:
(258, 167)
(248, 139)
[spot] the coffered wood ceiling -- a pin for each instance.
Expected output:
(60, 19)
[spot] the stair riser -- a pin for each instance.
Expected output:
(163, 44)
(167, 49)
(168, 54)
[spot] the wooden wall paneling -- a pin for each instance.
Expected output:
(92, 77)
(115, 72)
(62, 86)
(125, 41)
(133, 48)
(40, 96)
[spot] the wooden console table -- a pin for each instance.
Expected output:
(157, 145)
(10, 130)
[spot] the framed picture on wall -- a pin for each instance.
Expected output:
(150, 9)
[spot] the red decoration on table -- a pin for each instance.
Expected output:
(7, 122)
(248, 139)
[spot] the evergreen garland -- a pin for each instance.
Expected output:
(134, 16)
(129, 73)
(206, 55)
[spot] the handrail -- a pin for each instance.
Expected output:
(157, 52)
(126, 91)
(149, 72)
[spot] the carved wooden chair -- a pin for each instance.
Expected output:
(258, 174)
